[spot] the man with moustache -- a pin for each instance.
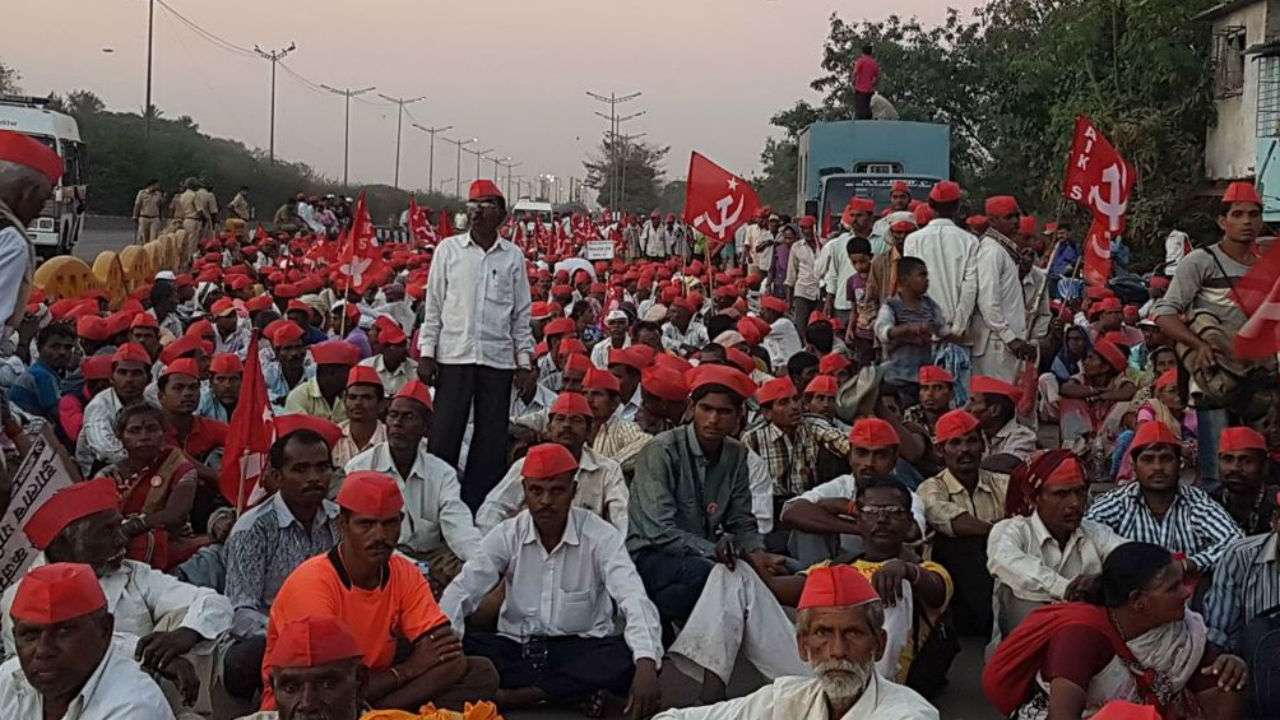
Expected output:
(316, 673)
(1245, 491)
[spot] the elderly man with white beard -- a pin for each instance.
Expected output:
(840, 636)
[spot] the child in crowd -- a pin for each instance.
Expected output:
(859, 336)
(906, 326)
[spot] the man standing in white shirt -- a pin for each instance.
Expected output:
(478, 282)
(802, 281)
(653, 238)
(999, 328)
(899, 201)
(556, 644)
(834, 266)
(28, 172)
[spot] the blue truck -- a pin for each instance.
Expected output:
(865, 157)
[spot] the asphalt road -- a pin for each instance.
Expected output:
(103, 232)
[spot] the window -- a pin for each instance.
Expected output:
(1269, 95)
(1229, 61)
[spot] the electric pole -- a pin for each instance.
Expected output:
(613, 101)
(444, 183)
(509, 166)
(458, 173)
(151, 27)
(431, 158)
(274, 57)
(479, 156)
(346, 133)
(401, 102)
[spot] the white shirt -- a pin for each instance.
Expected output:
(1022, 555)
(801, 275)
(950, 254)
(653, 240)
(802, 697)
(601, 490)
(569, 591)
(600, 351)
(761, 483)
(782, 342)
(845, 487)
(837, 270)
(98, 441)
(434, 512)
(695, 336)
(15, 257)
(393, 380)
(142, 600)
(1175, 248)
(118, 689)
(477, 306)
(1001, 304)
(542, 400)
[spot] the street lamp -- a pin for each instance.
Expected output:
(431, 162)
(458, 178)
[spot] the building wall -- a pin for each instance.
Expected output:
(1231, 146)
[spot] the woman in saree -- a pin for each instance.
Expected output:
(1166, 405)
(1089, 396)
(157, 485)
(1133, 639)
(1066, 364)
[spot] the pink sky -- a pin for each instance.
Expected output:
(511, 72)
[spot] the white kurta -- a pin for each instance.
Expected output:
(601, 490)
(791, 698)
(117, 690)
(1001, 317)
(950, 254)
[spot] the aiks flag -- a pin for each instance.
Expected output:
(420, 223)
(1258, 295)
(717, 202)
(1099, 179)
(359, 261)
(249, 435)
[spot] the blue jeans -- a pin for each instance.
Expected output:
(1211, 425)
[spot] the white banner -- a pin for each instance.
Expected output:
(41, 474)
(599, 249)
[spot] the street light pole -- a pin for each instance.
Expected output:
(444, 183)
(346, 133)
(612, 101)
(275, 56)
(509, 166)
(479, 156)
(458, 174)
(151, 27)
(431, 158)
(401, 102)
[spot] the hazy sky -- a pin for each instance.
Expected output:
(510, 72)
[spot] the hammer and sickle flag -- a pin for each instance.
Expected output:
(1100, 180)
(717, 202)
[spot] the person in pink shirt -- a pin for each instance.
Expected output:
(866, 74)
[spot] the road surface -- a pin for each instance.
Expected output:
(103, 232)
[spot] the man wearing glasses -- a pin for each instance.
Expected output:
(475, 337)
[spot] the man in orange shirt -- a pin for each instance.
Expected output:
(408, 646)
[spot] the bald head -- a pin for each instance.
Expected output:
(24, 190)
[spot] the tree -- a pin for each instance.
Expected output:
(84, 102)
(672, 198)
(9, 78)
(637, 167)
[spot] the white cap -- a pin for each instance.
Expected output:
(165, 275)
(615, 315)
(656, 313)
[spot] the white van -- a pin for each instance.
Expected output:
(57, 229)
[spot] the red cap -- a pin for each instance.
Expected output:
(1168, 378)
(836, 586)
(1131, 313)
(571, 346)
(1109, 303)
(1242, 192)
(625, 356)
(297, 305)
(1068, 472)
(144, 320)
(287, 332)
(899, 186)
(741, 360)
(131, 352)
(415, 390)
(481, 189)
(71, 503)
(181, 346)
(559, 326)
(226, 364)
(774, 303)
(987, 385)
(286, 425)
(832, 363)
(258, 303)
(548, 460)
(934, 375)
(945, 192)
(823, 385)
(181, 366)
(1236, 439)
(776, 389)
(1027, 225)
(312, 641)
(363, 375)
(861, 205)
(570, 403)
(924, 215)
(372, 493)
(808, 221)
(97, 367)
(56, 593)
(954, 424)
(1112, 354)
(1125, 710)
(731, 378)
(224, 306)
(335, 352)
(664, 383)
(597, 379)
(1153, 432)
(1159, 281)
(24, 150)
(873, 433)
(92, 327)
(1001, 205)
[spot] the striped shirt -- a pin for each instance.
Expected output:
(1194, 524)
(1245, 583)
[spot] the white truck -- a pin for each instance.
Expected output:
(57, 229)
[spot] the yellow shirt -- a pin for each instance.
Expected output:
(945, 499)
(306, 398)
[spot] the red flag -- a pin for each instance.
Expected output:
(1097, 254)
(1258, 296)
(445, 228)
(260, 236)
(360, 263)
(1098, 178)
(716, 201)
(419, 226)
(249, 436)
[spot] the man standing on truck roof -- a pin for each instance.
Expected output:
(866, 75)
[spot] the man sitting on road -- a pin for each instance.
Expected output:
(316, 673)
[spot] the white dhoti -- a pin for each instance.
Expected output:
(997, 361)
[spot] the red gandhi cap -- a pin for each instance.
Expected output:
(571, 346)
(363, 375)
(540, 310)
(92, 327)
(1112, 354)
(258, 303)
(56, 593)
(934, 375)
(559, 326)
(873, 433)
(97, 367)
(861, 205)
(741, 360)
(776, 389)
(674, 362)
(286, 425)
(946, 191)
(823, 385)
(24, 150)
(368, 492)
(1242, 192)
(71, 503)
(481, 189)
(284, 333)
(732, 378)
(749, 331)
(224, 306)
(1001, 205)
(131, 352)
(313, 641)
(836, 586)
(899, 186)
(1125, 710)
(548, 460)
(1068, 472)
(391, 334)
(988, 385)
(665, 383)
(144, 320)
(186, 344)
(1235, 439)
(626, 357)
(226, 364)
(570, 403)
(1027, 225)
(181, 366)
(335, 352)
(597, 379)
(1109, 303)
(1152, 432)
(415, 390)
(774, 303)
(954, 424)
(832, 363)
